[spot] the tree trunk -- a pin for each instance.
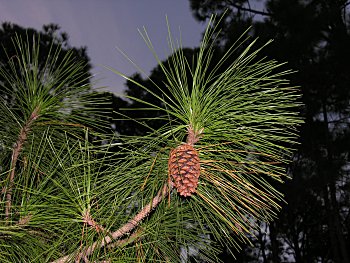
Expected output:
(338, 243)
(274, 243)
(262, 244)
(338, 226)
(295, 236)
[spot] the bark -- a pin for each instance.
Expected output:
(127, 228)
(17, 148)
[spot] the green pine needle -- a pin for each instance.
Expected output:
(248, 113)
(69, 194)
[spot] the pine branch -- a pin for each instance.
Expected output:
(127, 228)
(17, 148)
(87, 219)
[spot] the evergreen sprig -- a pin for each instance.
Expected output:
(43, 103)
(246, 112)
(71, 200)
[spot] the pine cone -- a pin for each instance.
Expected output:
(184, 168)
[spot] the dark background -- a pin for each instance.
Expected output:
(314, 38)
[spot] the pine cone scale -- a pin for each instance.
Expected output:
(184, 168)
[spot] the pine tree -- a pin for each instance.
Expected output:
(190, 185)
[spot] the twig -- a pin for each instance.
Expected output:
(250, 10)
(23, 221)
(124, 241)
(193, 136)
(88, 220)
(128, 227)
(22, 138)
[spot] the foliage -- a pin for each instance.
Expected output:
(67, 197)
(50, 39)
(42, 97)
(246, 111)
(313, 36)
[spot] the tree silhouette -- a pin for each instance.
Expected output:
(154, 119)
(53, 44)
(313, 36)
(50, 39)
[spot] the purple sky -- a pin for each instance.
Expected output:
(101, 25)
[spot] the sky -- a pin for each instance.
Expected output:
(103, 25)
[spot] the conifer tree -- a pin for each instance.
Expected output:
(199, 183)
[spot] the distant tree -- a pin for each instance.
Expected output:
(51, 38)
(313, 36)
(52, 44)
(155, 83)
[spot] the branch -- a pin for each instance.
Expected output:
(193, 136)
(258, 12)
(128, 227)
(17, 148)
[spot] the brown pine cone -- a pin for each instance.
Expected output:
(184, 168)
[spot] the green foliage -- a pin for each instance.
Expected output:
(72, 198)
(247, 112)
(42, 104)
(314, 225)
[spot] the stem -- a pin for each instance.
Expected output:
(193, 136)
(128, 227)
(17, 148)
